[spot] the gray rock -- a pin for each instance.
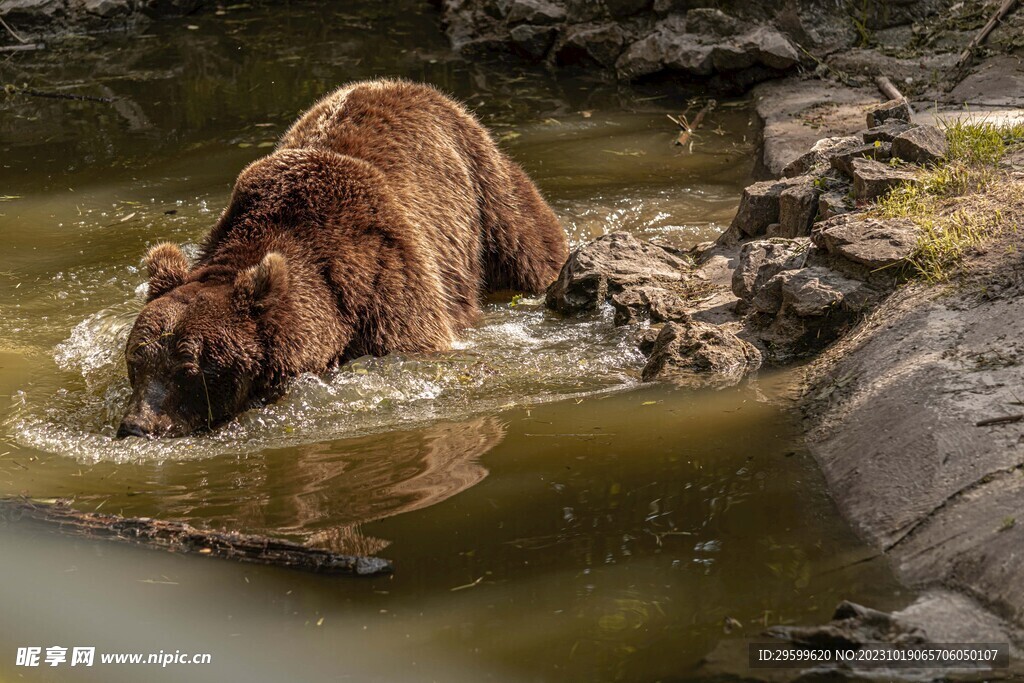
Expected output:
(810, 292)
(885, 132)
(687, 53)
(532, 42)
(852, 626)
(798, 207)
(708, 21)
(537, 12)
(646, 338)
(698, 354)
(609, 265)
(625, 8)
(730, 56)
(817, 159)
(761, 260)
(656, 304)
(893, 109)
(872, 179)
(920, 145)
(833, 203)
(582, 44)
(759, 205)
(871, 242)
(642, 58)
(770, 47)
(842, 160)
(106, 8)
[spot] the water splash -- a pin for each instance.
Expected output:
(520, 354)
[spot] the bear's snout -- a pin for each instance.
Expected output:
(151, 428)
(131, 429)
(144, 420)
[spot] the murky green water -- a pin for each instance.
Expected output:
(550, 518)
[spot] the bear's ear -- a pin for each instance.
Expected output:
(167, 268)
(260, 286)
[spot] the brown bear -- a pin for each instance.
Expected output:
(383, 215)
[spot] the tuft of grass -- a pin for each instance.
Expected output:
(960, 202)
(981, 143)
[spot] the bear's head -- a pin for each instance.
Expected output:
(198, 354)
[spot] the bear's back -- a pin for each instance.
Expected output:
(429, 150)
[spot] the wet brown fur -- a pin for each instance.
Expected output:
(384, 214)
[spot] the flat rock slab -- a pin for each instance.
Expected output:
(998, 82)
(893, 417)
(611, 264)
(920, 145)
(886, 131)
(787, 107)
(893, 109)
(697, 355)
(842, 159)
(816, 160)
(872, 242)
(872, 179)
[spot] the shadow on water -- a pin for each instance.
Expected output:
(550, 518)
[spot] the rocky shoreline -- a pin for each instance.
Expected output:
(908, 396)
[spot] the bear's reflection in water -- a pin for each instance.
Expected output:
(322, 493)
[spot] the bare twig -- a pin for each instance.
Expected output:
(11, 31)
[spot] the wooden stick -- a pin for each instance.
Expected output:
(965, 57)
(32, 92)
(179, 537)
(1003, 420)
(891, 91)
(689, 128)
(22, 48)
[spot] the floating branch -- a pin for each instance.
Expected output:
(689, 127)
(179, 537)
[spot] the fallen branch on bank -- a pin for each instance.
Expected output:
(179, 537)
(964, 61)
(1003, 420)
(891, 91)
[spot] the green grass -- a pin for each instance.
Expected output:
(961, 201)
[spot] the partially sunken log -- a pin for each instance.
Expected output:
(178, 537)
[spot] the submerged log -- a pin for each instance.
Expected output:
(179, 537)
